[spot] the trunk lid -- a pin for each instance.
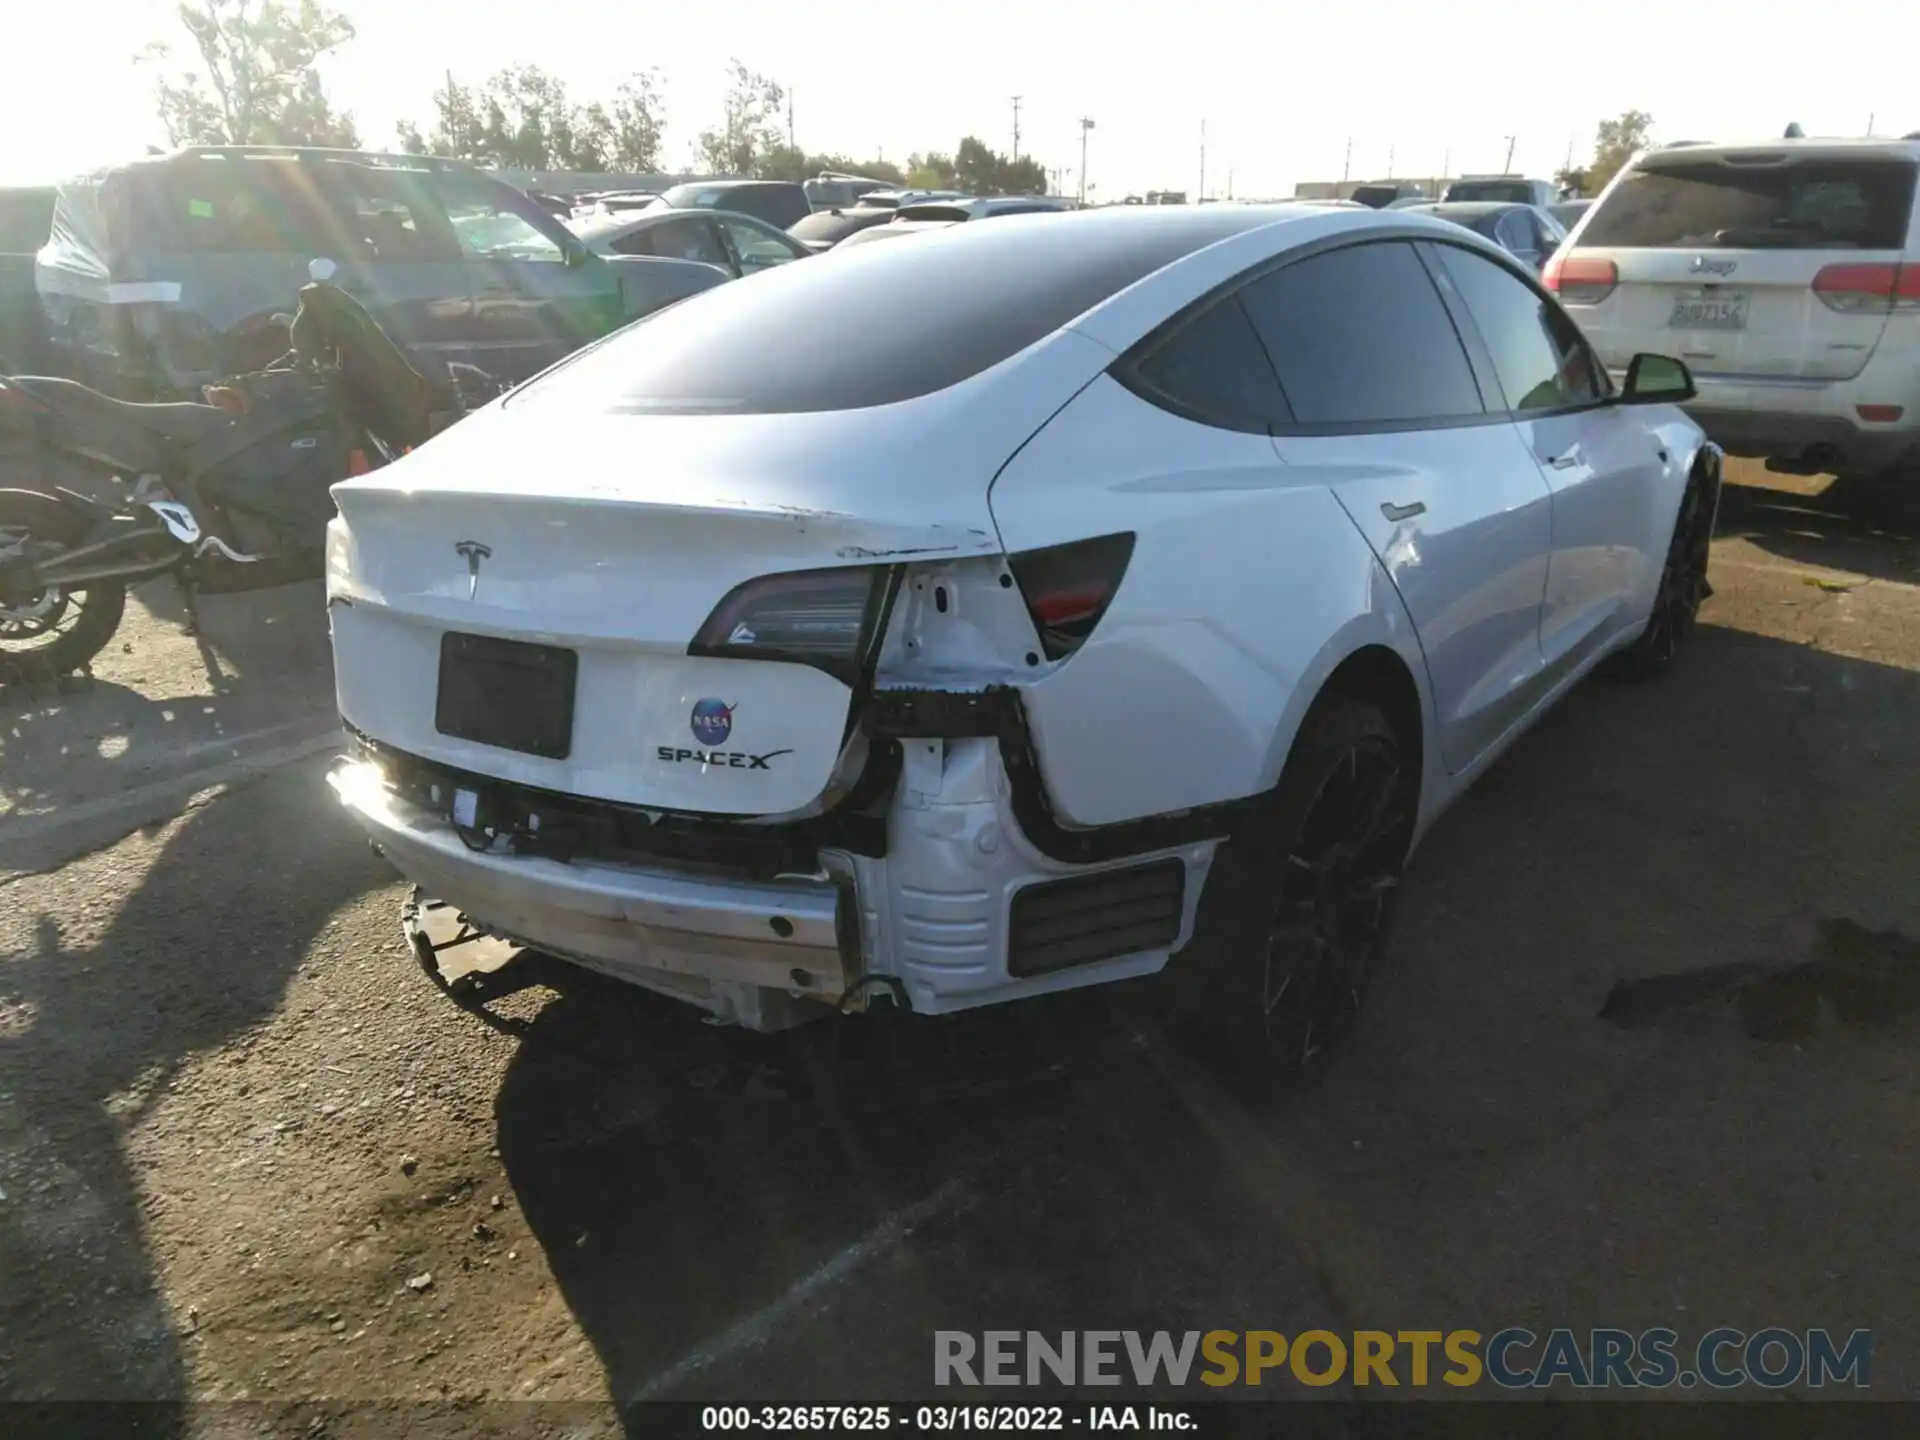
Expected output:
(613, 538)
(1717, 254)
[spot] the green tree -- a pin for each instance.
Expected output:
(255, 81)
(638, 125)
(1615, 143)
(932, 171)
(981, 171)
(750, 126)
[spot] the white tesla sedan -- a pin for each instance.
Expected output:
(1040, 604)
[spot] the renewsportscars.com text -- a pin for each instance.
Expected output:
(1514, 1358)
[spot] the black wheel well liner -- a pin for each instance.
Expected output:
(1379, 677)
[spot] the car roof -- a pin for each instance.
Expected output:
(1468, 209)
(1862, 147)
(623, 223)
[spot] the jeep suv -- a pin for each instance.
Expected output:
(1786, 274)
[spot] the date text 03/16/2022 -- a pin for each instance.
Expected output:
(945, 1419)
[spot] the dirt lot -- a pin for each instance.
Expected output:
(1645, 1056)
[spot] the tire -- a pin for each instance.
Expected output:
(1683, 584)
(50, 635)
(1294, 925)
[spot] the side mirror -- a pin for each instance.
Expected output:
(321, 270)
(1657, 380)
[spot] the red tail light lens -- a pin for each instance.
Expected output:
(1069, 587)
(1578, 280)
(1868, 289)
(824, 618)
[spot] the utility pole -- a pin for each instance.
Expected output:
(1446, 164)
(1389, 162)
(1346, 165)
(1201, 198)
(1085, 126)
(791, 143)
(1016, 129)
(1569, 164)
(1870, 120)
(1229, 182)
(1507, 169)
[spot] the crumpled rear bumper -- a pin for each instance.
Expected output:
(693, 936)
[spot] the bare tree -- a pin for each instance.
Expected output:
(255, 81)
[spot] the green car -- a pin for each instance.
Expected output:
(166, 273)
(26, 218)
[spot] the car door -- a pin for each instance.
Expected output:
(1389, 414)
(1604, 469)
(539, 294)
(756, 246)
(688, 236)
(396, 254)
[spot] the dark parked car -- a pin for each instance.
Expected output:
(737, 244)
(778, 202)
(163, 274)
(1526, 232)
(26, 219)
(825, 229)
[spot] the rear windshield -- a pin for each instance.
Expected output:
(927, 315)
(26, 219)
(933, 211)
(1814, 205)
(1507, 192)
(833, 226)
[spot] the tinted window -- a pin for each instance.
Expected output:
(833, 226)
(758, 246)
(1509, 192)
(1814, 205)
(1213, 369)
(934, 212)
(691, 238)
(26, 219)
(1359, 337)
(928, 315)
(779, 204)
(1537, 351)
(388, 216)
(1513, 231)
(222, 206)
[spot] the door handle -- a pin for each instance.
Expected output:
(1397, 513)
(1566, 461)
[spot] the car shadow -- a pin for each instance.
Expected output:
(91, 1035)
(733, 1217)
(262, 677)
(1845, 527)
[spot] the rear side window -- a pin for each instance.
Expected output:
(1360, 338)
(1505, 192)
(26, 219)
(1213, 369)
(223, 206)
(1813, 205)
(1537, 353)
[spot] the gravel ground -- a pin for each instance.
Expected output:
(1644, 1055)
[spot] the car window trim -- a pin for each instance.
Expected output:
(1122, 367)
(1480, 355)
(1130, 377)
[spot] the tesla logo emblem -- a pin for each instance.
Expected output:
(1703, 266)
(474, 552)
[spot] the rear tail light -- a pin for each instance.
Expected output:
(824, 618)
(1880, 414)
(1868, 289)
(1578, 280)
(1069, 587)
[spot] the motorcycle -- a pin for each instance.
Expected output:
(232, 494)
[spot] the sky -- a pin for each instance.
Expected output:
(1281, 92)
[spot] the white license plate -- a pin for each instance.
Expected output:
(1722, 310)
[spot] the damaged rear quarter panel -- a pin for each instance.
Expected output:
(1246, 589)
